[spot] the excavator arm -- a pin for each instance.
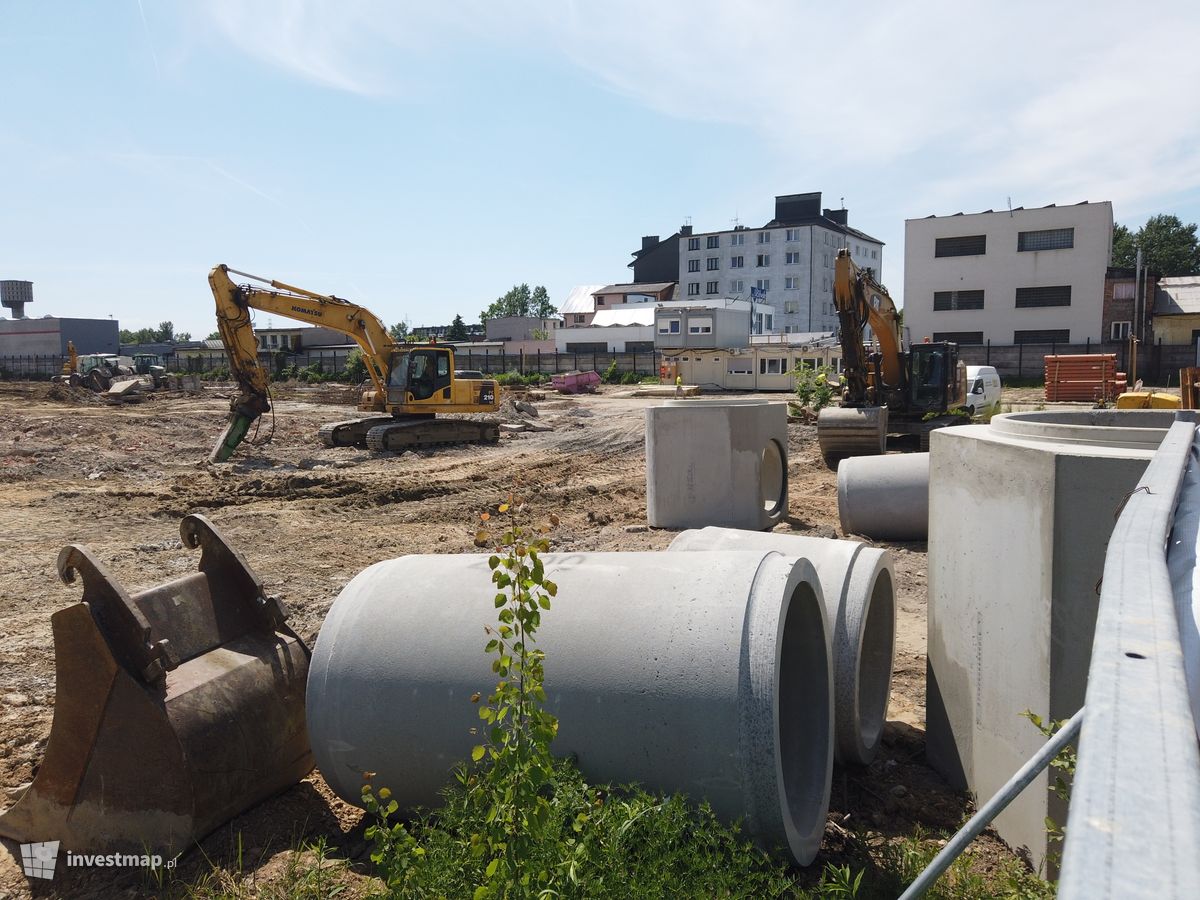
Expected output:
(234, 302)
(862, 301)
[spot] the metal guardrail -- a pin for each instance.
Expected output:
(1134, 824)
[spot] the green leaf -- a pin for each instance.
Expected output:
(493, 561)
(492, 867)
(477, 752)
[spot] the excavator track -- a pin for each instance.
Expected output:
(411, 434)
(352, 432)
(851, 431)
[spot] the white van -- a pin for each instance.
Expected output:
(983, 391)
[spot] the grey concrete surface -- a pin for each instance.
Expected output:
(706, 673)
(716, 462)
(859, 590)
(1018, 526)
(885, 497)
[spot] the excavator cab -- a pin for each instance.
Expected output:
(420, 374)
(937, 378)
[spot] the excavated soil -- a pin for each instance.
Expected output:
(307, 519)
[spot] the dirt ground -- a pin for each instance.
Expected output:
(307, 519)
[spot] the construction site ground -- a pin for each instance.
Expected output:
(308, 518)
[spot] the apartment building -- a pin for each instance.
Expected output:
(1009, 277)
(787, 263)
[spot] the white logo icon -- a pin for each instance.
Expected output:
(39, 859)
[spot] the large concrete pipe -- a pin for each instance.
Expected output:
(859, 590)
(706, 673)
(885, 497)
(716, 462)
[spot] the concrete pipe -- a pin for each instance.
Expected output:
(885, 498)
(702, 673)
(716, 462)
(859, 590)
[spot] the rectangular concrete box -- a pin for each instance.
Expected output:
(1017, 535)
(716, 462)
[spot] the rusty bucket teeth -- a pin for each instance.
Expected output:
(176, 708)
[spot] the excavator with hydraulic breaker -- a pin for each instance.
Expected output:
(885, 389)
(411, 385)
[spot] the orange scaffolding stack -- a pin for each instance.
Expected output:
(1087, 378)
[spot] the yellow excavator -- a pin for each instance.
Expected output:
(890, 390)
(411, 384)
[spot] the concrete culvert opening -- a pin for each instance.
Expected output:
(773, 478)
(875, 666)
(803, 722)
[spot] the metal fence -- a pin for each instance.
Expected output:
(333, 361)
(1134, 821)
(1157, 364)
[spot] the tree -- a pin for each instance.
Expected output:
(399, 332)
(517, 302)
(215, 336)
(1168, 246)
(457, 330)
(166, 331)
(540, 301)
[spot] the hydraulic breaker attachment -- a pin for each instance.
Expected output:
(176, 708)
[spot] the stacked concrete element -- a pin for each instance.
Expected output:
(1020, 513)
(716, 462)
(858, 587)
(706, 673)
(885, 497)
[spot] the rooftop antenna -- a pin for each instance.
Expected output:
(687, 220)
(1010, 215)
(842, 201)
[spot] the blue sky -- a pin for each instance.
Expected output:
(421, 159)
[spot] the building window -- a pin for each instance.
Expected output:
(579, 318)
(712, 287)
(714, 263)
(1031, 297)
(771, 366)
(737, 262)
(827, 260)
(764, 259)
(1050, 239)
(714, 241)
(599, 301)
(971, 245)
(793, 234)
(763, 284)
(693, 265)
(1119, 331)
(737, 239)
(770, 322)
(274, 340)
(874, 254)
(825, 284)
(693, 289)
(792, 259)
(1124, 290)
(1042, 336)
(736, 286)
(791, 307)
(944, 300)
(791, 283)
(668, 326)
(693, 243)
(699, 326)
(764, 237)
(959, 337)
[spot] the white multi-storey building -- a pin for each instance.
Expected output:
(1010, 277)
(790, 259)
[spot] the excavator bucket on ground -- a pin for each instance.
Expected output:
(176, 708)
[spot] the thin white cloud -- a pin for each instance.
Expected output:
(946, 102)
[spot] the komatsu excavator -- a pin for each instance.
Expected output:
(410, 383)
(890, 390)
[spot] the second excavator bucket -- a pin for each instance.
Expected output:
(176, 708)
